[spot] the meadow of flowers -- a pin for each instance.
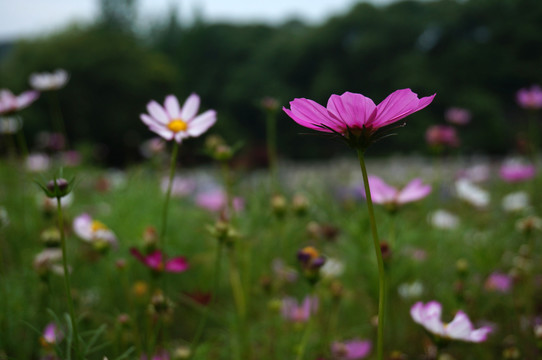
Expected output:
(377, 258)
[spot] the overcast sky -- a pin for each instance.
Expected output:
(22, 18)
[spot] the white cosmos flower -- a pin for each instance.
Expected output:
(49, 81)
(515, 201)
(173, 122)
(471, 193)
(443, 219)
(93, 231)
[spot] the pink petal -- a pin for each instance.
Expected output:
(202, 123)
(381, 193)
(398, 105)
(178, 264)
(190, 107)
(414, 190)
(355, 110)
(162, 131)
(460, 328)
(137, 254)
(172, 106)
(82, 226)
(158, 112)
(310, 114)
(180, 136)
(480, 334)
(357, 349)
(27, 98)
(154, 260)
(150, 121)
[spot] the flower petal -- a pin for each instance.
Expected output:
(176, 265)
(414, 190)
(158, 112)
(162, 131)
(460, 328)
(154, 260)
(480, 334)
(310, 114)
(355, 110)
(172, 106)
(201, 123)
(82, 226)
(190, 107)
(398, 105)
(381, 193)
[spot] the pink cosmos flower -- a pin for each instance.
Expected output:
(173, 122)
(158, 355)
(51, 335)
(295, 312)
(499, 282)
(460, 328)
(351, 350)
(10, 103)
(385, 194)
(215, 200)
(457, 116)
(441, 136)
(157, 261)
(516, 171)
(354, 116)
(530, 98)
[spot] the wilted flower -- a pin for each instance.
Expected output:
(94, 232)
(355, 117)
(499, 282)
(10, 125)
(439, 136)
(391, 197)
(295, 312)
(460, 328)
(49, 81)
(410, 290)
(515, 171)
(471, 193)
(158, 262)
(351, 349)
(443, 219)
(173, 122)
(10, 103)
(216, 200)
(530, 98)
(457, 116)
(51, 335)
(180, 186)
(37, 162)
(516, 201)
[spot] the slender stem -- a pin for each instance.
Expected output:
(272, 147)
(161, 239)
(305, 338)
(380, 261)
(56, 116)
(67, 279)
(203, 322)
(228, 187)
(240, 303)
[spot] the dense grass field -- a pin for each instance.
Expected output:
(125, 310)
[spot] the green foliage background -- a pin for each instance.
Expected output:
(474, 54)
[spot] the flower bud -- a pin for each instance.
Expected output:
(50, 237)
(279, 205)
(300, 205)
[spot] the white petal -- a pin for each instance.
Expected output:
(158, 112)
(162, 131)
(172, 107)
(201, 123)
(190, 107)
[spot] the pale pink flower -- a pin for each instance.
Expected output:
(157, 261)
(457, 116)
(441, 135)
(51, 334)
(499, 282)
(37, 162)
(173, 122)
(385, 194)
(10, 103)
(351, 349)
(94, 231)
(152, 147)
(216, 200)
(295, 312)
(179, 187)
(530, 98)
(460, 328)
(354, 116)
(516, 171)
(158, 355)
(49, 81)
(476, 173)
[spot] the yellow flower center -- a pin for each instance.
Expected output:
(97, 225)
(177, 125)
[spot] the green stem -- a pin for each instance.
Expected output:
(272, 147)
(56, 116)
(380, 261)
(161, 239)
(203, 322)
(228, 187)
(305, 338)
(240, 303)
(67, 279)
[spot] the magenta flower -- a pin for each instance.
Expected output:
(173, 122)
(457, 116)
(295, 312)
(216, 200)
(460, 328)
(156, 261)
(516, 171)
(351, 350)
(158, 355)
(354, 116)
(10, 103)
(51, 335)
(392, 197)
(441, 136)
(530, 98)
(499, 282)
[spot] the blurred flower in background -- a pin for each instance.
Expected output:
(471, 193)
(157, 261)
(10, 103)
(49, 81)
(516, 170)
(443, 219)
(37, 162)
(530, 98)
(499, 282)
(94, 232)
(295, 312)
(516, 201)
(392, 197)
(351, 349)
(180, 186)
(457, 116)
(441, 136)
